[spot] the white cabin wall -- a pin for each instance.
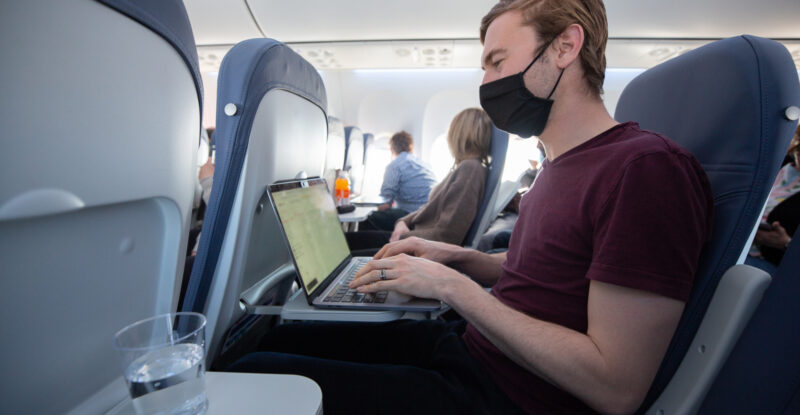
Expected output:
(420, 101)
(616, 80)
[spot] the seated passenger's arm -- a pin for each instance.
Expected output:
(610, 367)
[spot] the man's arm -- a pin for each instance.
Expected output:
(610, 367)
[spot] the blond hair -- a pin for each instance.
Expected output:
(549, 18)
(470, 135)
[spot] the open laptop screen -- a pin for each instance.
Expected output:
(311, 223)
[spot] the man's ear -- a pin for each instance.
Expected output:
(568, 45)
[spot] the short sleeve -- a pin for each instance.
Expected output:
(651, 228)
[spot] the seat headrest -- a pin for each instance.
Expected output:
(254, 67)
(168, 19)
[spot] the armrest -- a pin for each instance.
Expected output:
(738, 294)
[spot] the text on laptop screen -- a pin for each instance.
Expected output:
(312, 227)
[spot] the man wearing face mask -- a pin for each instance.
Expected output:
(600, 264)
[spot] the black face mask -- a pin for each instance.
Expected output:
(513, 108)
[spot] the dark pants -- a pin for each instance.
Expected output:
(366, 243)
(382, 220)
(401, 367)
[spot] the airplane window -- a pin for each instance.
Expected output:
(378, 157)
(440, 159)
(520, 151)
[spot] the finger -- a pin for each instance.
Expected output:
(379, 286)
(382, 252)
(366, 278)
(369, 266)
(375, 264)
(371, 277)
(395, 249)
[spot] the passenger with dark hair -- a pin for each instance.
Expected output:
(407, 182)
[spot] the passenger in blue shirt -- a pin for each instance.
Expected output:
(407, 183)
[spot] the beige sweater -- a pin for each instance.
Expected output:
(452, 205)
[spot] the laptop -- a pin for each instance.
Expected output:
(310, 226)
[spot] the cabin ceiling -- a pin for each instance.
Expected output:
(443, 33)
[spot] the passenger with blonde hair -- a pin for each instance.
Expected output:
(453, 203)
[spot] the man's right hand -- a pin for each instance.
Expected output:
(435, 251)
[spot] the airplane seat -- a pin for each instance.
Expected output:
(101, 118)
(334, 150)
(354, 158)
(486, 211)
(726, 103)
(762, 373)
(369, 139)
(271, 125)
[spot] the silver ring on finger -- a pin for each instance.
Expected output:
(383, 275)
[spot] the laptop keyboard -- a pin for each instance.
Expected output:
(344, 294)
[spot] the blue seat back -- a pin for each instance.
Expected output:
(271, 125)
(762, 373)
(354, 157)
(482, 220)
(725, 103)
(101, 118)
(369, 139)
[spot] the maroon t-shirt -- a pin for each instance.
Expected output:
(628, 207)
